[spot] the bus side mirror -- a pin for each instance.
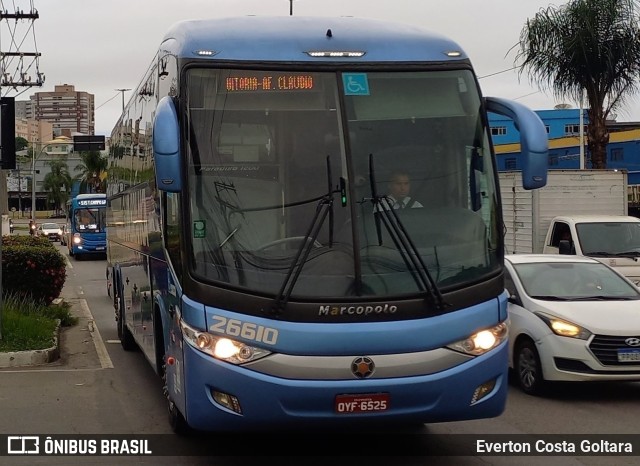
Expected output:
(534, 141)
(166, 147)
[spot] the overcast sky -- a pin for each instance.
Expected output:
(101, 46)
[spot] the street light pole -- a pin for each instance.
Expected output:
(122, 91)
(33, 186)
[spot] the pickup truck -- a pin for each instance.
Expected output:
(612, 239)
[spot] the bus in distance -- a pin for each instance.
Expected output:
(255, 255)
(85, 233)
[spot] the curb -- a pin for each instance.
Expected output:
(33, 357)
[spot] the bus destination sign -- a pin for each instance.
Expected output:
(263, 82)
(92, 202)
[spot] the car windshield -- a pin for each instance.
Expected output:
(50, 226)
(571, 280)
(609, 238)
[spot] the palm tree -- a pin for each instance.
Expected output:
(57, 183)
(590, 46)
(92, 168)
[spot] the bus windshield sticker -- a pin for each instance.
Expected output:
(355, 84)
(199, 229)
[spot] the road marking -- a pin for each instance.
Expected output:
(103, 355)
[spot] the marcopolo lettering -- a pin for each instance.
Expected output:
(356, 310)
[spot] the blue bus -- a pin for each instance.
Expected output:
(86, 222)
(251, 256)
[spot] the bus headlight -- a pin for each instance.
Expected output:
(482, 341)
(76, 238)
(221, 347)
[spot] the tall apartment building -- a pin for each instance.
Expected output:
(34, 131)
(69, 111)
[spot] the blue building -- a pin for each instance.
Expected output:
(563, 127)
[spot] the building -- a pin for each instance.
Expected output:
(19, 181)
(563, 127)
(34, 131)
(68, 110)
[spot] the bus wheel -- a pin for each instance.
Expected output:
(177, 421)
(126, 338)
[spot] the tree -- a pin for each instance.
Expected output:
(590, 46)
(21, 143)
(57, 183)
(92, 168)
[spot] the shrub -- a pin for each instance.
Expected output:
(24, 325)
(33, 267)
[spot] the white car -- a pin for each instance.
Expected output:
(51, 231)
(571, 318)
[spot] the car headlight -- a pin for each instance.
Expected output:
(482, 341)
(221, 347)
(563, 327)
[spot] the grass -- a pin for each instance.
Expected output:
(30, 326)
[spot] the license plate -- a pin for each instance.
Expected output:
(362, 403)
(629, 355)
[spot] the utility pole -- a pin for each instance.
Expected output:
(290, 7)
(123, 91)
(15, 66)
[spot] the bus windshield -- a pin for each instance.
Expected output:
(291, 174)
(90, 220)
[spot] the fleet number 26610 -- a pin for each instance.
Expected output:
(246, 330)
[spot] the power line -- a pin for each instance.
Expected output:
(498, 72)
(104, 103)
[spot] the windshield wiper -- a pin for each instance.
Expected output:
(324, 208)
(604, 298)
(402, 240)
(552, 298)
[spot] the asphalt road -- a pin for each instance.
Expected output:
(98, 388)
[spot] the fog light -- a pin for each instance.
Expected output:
(482, 391)
(228, 401)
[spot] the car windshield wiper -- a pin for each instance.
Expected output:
(631, 254)
(604, 298)
(323, 209)
(546, 297)
(599, 254)
(385, 214)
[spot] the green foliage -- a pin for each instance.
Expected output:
(61, 312)
(57, 183)
(21, 143)
(585, 46)
(32, 267)
(25, 325)
(92, 170)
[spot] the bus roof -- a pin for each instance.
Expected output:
(290, 38)
(90, 196)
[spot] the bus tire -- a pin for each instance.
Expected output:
(177, 421)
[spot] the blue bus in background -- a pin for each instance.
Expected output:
(252, 254)
(86, 225)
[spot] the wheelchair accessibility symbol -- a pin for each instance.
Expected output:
(355, 84)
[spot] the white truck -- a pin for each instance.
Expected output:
(587, 208)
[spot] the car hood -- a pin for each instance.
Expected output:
(603, 317)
